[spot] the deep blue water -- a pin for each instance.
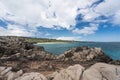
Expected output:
(112, 49)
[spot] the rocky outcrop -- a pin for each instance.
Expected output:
(102, 71)
(84, 54)
(14, 48)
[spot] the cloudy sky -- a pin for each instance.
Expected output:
(85, 20)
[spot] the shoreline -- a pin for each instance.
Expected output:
(53, 43)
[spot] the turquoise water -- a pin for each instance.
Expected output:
(112, 49)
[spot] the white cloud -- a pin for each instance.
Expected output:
(68, 38)
(48, 34)
(52, 13)
(44, 13)
(87, 30)
(89, 14)
(116, 18)
(107, 8)
(13, 30)
(110, 9)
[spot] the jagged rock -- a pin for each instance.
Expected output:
(84, 54)
(71, 73)
(14, 48)
(102, 71)
(32, 76)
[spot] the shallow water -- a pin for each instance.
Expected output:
(112, 49)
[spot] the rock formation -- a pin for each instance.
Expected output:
(102, 71)
(99, 71)
(84, 54)
(14, 48)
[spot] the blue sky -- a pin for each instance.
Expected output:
(84, 20)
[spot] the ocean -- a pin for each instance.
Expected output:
(112, 49)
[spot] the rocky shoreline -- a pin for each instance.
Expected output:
(21, 60)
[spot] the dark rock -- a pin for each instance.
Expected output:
(115, 62)
(68, 55)
(78, 49)
(85, 47)
(23, 59)
(38, 48)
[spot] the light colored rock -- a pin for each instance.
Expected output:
(91, 74)
(1, 69)
(7, 74)
(61, 57)
(89, 57)
(51, 76)
(76, 57)
(71, 73)
(4, 58)
(86, 51)
(15, 56)
(102, 71)
(32, 76)
(98, 50)
(20, 72)
(10, 76)
(13, 75)
(6, 71)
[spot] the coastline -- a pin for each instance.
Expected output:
(53, 43)
(24, 61)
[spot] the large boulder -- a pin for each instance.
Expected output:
(84, 54)
(102, 71)
(98, 71)
(71, 73)
(32, 76)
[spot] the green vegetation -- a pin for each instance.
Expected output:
(42, 40)
(33, 40)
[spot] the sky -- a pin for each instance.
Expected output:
(82, 20)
